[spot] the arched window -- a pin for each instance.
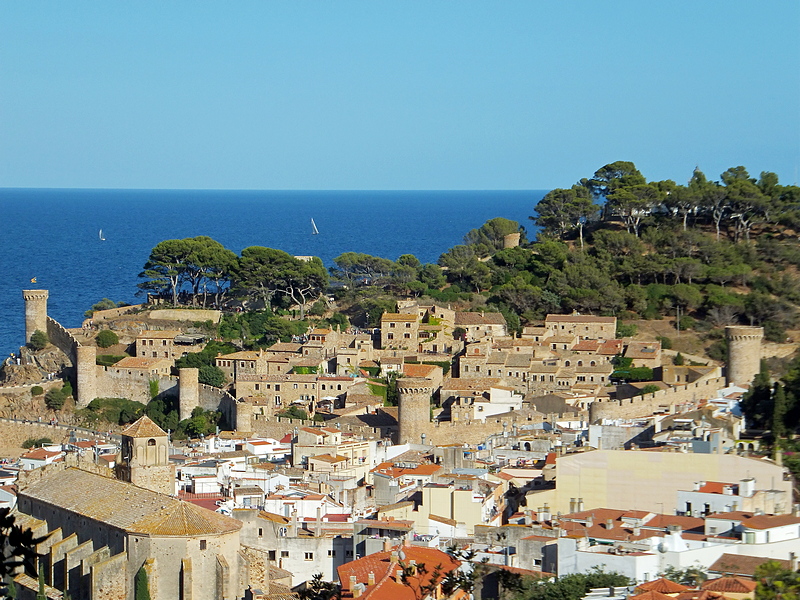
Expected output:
(151, 442)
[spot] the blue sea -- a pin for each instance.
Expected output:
(53, 234)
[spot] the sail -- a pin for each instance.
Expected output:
(314, 229)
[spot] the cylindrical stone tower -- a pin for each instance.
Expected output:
(35, 312)
(511, 240)
(744, 353)
(188, 391)
(86, 372)
(414, 409)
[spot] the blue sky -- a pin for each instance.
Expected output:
(393, 95)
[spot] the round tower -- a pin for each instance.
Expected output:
(511, 240)
(414, 409)
(744, 353)
(35, 312)
(188, 391)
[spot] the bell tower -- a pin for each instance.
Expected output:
(144, 457)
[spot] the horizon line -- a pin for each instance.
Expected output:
(176, 189)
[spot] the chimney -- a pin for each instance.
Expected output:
(792, 561)
(398, 575)
(580, 505)
(544, 513)
(352, 582)
(528, 516)
(387, 545)
(573, 505)
(637, 530)
(371, 578)
(293, 524)
(609, 524)
(318, 523)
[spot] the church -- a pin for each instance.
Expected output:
(108, 534)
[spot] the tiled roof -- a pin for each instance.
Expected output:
(474, 318)
(578, 319)
(165, 334)
(398, 317)
(386, 587)
(740, 564)
(663, 585)
(144, 427)
(735, 585)
(419, 370)
(40, 454)
(126, 506)
(651, 595)
(643, 349)
(141, 362)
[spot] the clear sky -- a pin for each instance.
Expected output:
(432, 94)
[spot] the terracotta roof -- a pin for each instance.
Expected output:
(398, 317)
(126, 506)
(384, 569)
(587, 346)
(700, 595)
(578, 319)
(144, 427)
(735, 585)
(643, 349)
(651, 595)
(141, 362)
(475, 318)
(40, 454)
(663, 585)
(328, 458)
(411, 370)
(740, 564)
(164, 334)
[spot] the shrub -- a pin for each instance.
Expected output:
(687, 322)
(626, 330)
(54, 399)
(37, 390)
(36, 442)
(294, 413)
(666, 343)
(106, 360)
(677, 360)
(67, 389)
(649, 389)
(106, 338)
(39, 340)
(119, 411)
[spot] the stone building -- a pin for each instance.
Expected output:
(583, 326)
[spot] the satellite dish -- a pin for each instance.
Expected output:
(401, 555)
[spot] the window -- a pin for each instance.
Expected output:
(408, 325)
(407, 336)
(309, 556)
(284, 554)
(389, 336)
(151, 442)
(277, 400)
(348, 553)
(331, 552)
(260, 532)
(391, 324)
(271, 554)
(258, 386)
(294, 385)
(277, 387)
(202, 544)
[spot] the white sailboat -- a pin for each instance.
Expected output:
(314, 230)
(102, 239)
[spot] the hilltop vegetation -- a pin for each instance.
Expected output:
(709, 253)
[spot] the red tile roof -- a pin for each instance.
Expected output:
(663, 585)
(735, 585)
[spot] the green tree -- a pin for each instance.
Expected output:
(37, 390)
(39, 340)
(358, 267)
(776, 582)
(54, 399)
(780, 407)
(104, 304)
(166, 268)
(564, 210)
(19, 548)
(489, 237)
(303, 281)
(678, 360)
(756, 403)
(106, 338)
(141, 585)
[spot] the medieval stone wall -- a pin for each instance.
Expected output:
(62, 339)
(643, 406)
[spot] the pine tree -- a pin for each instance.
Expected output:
(780, 407)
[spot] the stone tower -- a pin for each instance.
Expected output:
(144, 457)
(86, 375)
(511, 240)
(414, 409)
(188, 391)
(35, 312)
(744, 353)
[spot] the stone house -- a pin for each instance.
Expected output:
(170, 344)
(481, 325)
(399, 331)
(644, 354)
(582, 326)
(143, 366)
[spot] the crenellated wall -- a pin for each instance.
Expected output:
(643, 406)
(62, 339)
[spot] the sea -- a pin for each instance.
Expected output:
(84, 245)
